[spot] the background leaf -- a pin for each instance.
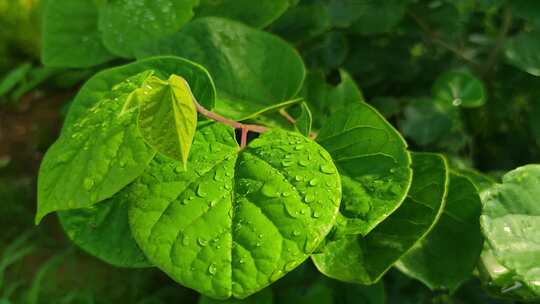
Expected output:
(243, 61)
(460, 88)
(448, 255)
(365, 260)
(70, 35)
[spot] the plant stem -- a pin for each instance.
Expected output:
(233, 123)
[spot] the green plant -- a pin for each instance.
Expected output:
(149, 171)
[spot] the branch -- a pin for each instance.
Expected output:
(501, 38)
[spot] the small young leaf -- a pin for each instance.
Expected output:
(460, 88)
(304, 120)
(448, 255)
(235, 221)
(510, 223)
(364, 260)
(70, 35)
(95, 157)
(127, 25)
(103, 231)
(167, 116)
(243, 61)
(373, 162)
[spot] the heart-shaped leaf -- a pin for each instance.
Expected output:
(373, 162)
(460, 88)
(167, 116)
(364, 260)
(236, 220)
(100, 151)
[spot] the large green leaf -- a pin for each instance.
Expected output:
(100, 151)
(523, 51)
(199, 80)
(364, 260)
(167, 116)
(236, 220)
(127, 25)
(95, 157)
(448, 255)
(70, 35)
(325, 99)
(103, 231)
(252, 69)
(254, 13)
(511, 221)
(459, 88)
(373, 163)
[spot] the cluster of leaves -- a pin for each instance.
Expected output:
(138, 180)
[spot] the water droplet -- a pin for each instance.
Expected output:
(88, 183)
(457, 102)
(287, 163)
(309, 198)
(268, 190)
(296, 233)
(202, 242)
(286, 194)
(303, 163)
(184, 202)
(242, 261)
(316, 214)
(260, 236)
(212, 269)
(327, 169)
(200, 191)
(213, 202)
(258, 244)
(298, 178)
(313, 182)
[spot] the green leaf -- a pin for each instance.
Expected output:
(255, 13)
(528, 10)
(523, 52)
(371, 16)
(264, 297)
(70, 35)
(167, 116)
(95, 157)
(364, 260)
(448, 255)
(510, 222)
(245, 63)
(304, 120)
(199, 80)
(127, 25)
(373, 162)
(67, 167)
(460, 88)
(103, 231)
(236, 221)
(325, 99)
(303, 22)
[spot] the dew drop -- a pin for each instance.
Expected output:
(200, 191)
(313, 182)
(457, 102)
(286, 163)
(303, 163)
(88, 183)
(212, 269)
(327, 169)
(268, 190)
(316, 214)
(296, 233)
(202, 242)
(309, 198)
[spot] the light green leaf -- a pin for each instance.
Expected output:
(199, 80)
(448, 255)
(95, 157)
(127, 25)
(103, 231)
(460, 88)
(523, 51)
(263, 297)
(167, 116)
(373, 162)
(70, 35)
(364, 260)
(304, 120)
(255, 13)
(510, 222)
(253, 70)
(325, 99)
(236, 221)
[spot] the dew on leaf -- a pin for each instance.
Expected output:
(202, 242)
(212, 269)
(88, 183)
(327, 169)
